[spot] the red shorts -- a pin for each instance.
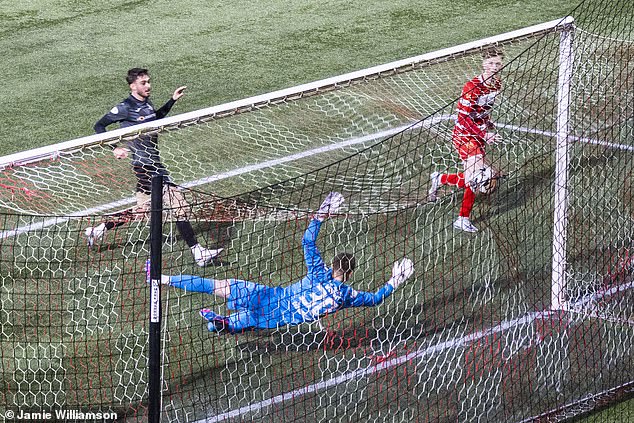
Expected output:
(468, 145)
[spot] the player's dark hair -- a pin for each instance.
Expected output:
(134, 73)
(492, 52)
(343, 262)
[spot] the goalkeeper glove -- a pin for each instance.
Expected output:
(330, 205)
(401, 271)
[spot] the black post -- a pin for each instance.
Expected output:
(155, 265)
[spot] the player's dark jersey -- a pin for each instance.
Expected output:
(145, 154)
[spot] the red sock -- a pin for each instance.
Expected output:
(467, 202)
(455, 179)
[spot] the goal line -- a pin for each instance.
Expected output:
(457, 342)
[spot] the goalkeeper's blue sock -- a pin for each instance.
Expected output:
(193, 283)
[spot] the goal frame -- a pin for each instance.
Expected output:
(558, 299)
(300, 91)
(566, 57)
(564, 139)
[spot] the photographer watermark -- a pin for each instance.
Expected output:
(55, 415)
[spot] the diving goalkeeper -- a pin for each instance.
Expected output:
(322, 291)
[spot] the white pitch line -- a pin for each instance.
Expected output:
(126, 202)
(296, 156)
(367, 371)
(572, 137)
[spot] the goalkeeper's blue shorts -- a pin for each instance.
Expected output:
(257, 305)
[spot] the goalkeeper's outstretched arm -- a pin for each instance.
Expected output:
(315, 265)
(401, 271)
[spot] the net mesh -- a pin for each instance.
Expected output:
(471, 336)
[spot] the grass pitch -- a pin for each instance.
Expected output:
(69, 59)
(66, 61)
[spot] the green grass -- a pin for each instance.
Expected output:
(621, 412)
(66, 60)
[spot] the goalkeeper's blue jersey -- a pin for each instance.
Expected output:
(315, 295)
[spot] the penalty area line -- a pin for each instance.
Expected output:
(127, 202)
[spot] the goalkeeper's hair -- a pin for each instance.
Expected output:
(344, 263)
(134, 73)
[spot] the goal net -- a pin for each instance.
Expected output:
(529, 319)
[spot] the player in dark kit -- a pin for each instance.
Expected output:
(146, 161)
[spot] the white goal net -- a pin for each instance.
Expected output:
(529, 319)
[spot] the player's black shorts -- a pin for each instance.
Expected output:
(144, 174)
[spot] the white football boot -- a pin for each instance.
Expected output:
(95, 234)
(203, 256)
(464, 224)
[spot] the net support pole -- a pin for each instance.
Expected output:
(562, 169)
(154, 270)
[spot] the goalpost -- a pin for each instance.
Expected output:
(562, 160)
(528, 319)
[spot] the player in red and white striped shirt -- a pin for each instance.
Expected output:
(472, 132)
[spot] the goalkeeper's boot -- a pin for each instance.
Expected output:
(95, 234)
(203, 256)
(464, 224)
(435, 185)
(217, 323)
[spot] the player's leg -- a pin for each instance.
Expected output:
(233, 323)
(143, 193)
(192, 283)
(142, 196)
(463, 221)
(463, 145)
(438, 179)
(96, 233)
(474, 160)
(216, 322)
(453, 179)
(243, 296)
(179, 209)
(471, 151)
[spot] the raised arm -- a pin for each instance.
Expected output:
(314, 262)
(312, 257)
(165, 109)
